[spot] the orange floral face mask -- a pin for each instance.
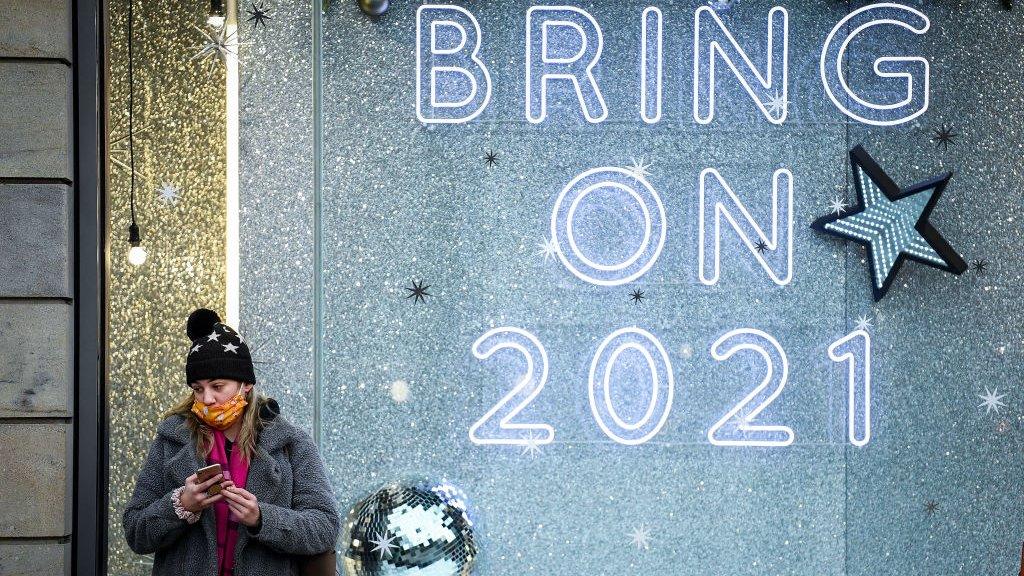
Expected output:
(223, 416)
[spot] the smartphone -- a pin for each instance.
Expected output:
(204, 474)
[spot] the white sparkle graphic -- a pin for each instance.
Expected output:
(169, 193)
(640, 168)
(863, 323)
(383, 544)
(776, 105)
(548, 249)
(992, 400)
(217, 47)
(686, 351)
(838, 205)
(641, 537)
(532, 445)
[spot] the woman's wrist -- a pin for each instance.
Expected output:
(179, 508)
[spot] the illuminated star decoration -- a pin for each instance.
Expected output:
(640, 537)
(418, 291)
(943, 137)
(491, 159)
(383, 543)
(637, 296)
(258, 15)
(992, 400)
(930, 507)
(892, 223)
(169, 193)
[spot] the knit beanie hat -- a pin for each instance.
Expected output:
(217, 351)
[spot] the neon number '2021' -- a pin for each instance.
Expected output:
(735, 428)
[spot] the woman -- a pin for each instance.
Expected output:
(275, 500)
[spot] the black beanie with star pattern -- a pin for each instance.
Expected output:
(217, 351)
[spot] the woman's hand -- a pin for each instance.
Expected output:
(194, 497)
(242, 503)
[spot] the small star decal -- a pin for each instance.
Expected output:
(418, 292)
(930, 507)
(992, 400)
(169, 193)
(532, 445)
(383, 544)
(640, 168)
(213, 337)
(761, 246)
(943, 137)
(892, 223)
(491, 159)
(637, 296)
(863, 323)
(777, 105)
(216, 48)
(229, 347)
(838, 205)
(258, 15)
(548, 249)
(641, 537)
(195, 349)
(980, 266)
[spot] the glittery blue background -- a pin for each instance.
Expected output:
(937, 489)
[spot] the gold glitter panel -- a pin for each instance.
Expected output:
(179, 126)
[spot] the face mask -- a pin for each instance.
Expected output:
(223, 416)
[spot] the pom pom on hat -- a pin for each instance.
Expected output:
(217, 350)
(200, 323)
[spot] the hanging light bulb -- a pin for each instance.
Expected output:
(217, 14)
(136, 254)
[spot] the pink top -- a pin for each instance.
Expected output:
(227, 525)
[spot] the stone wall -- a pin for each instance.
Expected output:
(36, 287)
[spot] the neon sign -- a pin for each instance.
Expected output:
(737, 427)
(564, 44)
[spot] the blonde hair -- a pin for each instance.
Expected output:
(202, 435)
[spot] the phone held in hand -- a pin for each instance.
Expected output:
(204, 474)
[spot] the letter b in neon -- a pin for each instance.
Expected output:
(452, 83)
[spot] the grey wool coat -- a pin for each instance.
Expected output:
(297, 506)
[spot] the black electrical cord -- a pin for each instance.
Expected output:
(133, 229)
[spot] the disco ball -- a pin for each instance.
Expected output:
(410, 529)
